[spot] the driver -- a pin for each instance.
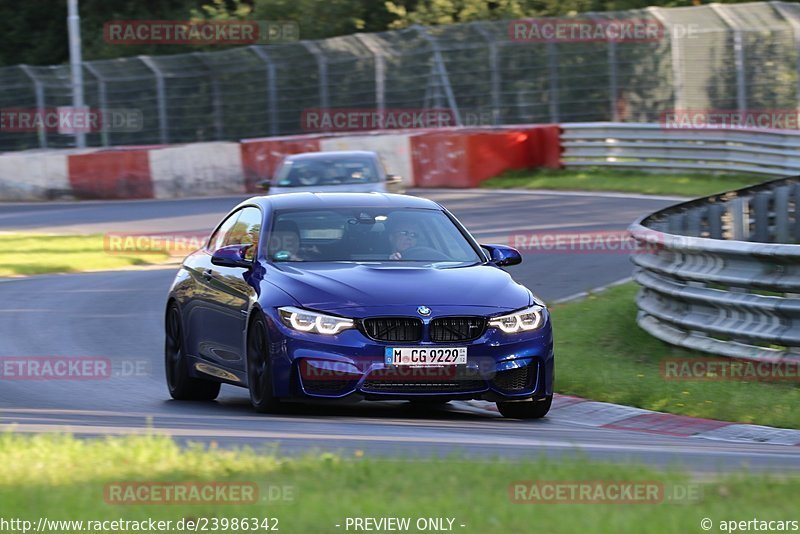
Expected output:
(402, 237)
(284, 243)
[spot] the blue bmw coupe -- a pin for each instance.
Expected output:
(362, 296)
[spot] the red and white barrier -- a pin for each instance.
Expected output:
(447, 157)
(199, 169)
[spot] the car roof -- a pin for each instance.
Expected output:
(336, 154)
(307, 200)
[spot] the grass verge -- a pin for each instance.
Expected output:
(629, 181)
(62, 478)
(603, 355)
(25, 254)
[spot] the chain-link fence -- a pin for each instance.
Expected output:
(731, 57)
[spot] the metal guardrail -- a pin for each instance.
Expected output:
(721, 274)
(652, 146)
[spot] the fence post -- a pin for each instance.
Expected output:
(444, 79)
(39, 91)
(216, 99)
(161, 96)
(369, 43)
(272, 87)
(676, 60)
(102, 101)
(322, 66)
(494, 72)
(738, 51)
(552, 76)
(795, 24)
(613, 85)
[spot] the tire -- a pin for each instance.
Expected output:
(182, 386)
(525, 410)
(259, 373)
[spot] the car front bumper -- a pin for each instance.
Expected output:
(500, 367)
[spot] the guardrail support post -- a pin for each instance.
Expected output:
(715, 213)
(796, 194)
(740, 219)
(782, 214)
(761, 215)
(694, 221)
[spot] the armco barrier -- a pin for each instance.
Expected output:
(726, 275)
(652, 146)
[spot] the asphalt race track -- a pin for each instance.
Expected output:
(118, 315)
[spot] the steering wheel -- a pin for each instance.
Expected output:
(424, 253)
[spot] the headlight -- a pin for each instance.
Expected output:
(521, 321)
(314, 322)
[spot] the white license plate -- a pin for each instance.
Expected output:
(426, 356)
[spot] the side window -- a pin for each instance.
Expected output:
(220, 236)
(246, 230)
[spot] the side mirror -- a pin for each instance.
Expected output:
(502, 255)
(264, 185)
(394, 183)
(232, 256)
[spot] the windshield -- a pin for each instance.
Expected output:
(367, 234)
(319, 171)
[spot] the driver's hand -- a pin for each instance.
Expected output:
(395, 256)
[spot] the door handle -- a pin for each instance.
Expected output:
(208, 274)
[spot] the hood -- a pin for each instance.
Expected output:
(337, 286)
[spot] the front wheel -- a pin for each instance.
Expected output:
(182, 386)
(525, 410)
(259, 371)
